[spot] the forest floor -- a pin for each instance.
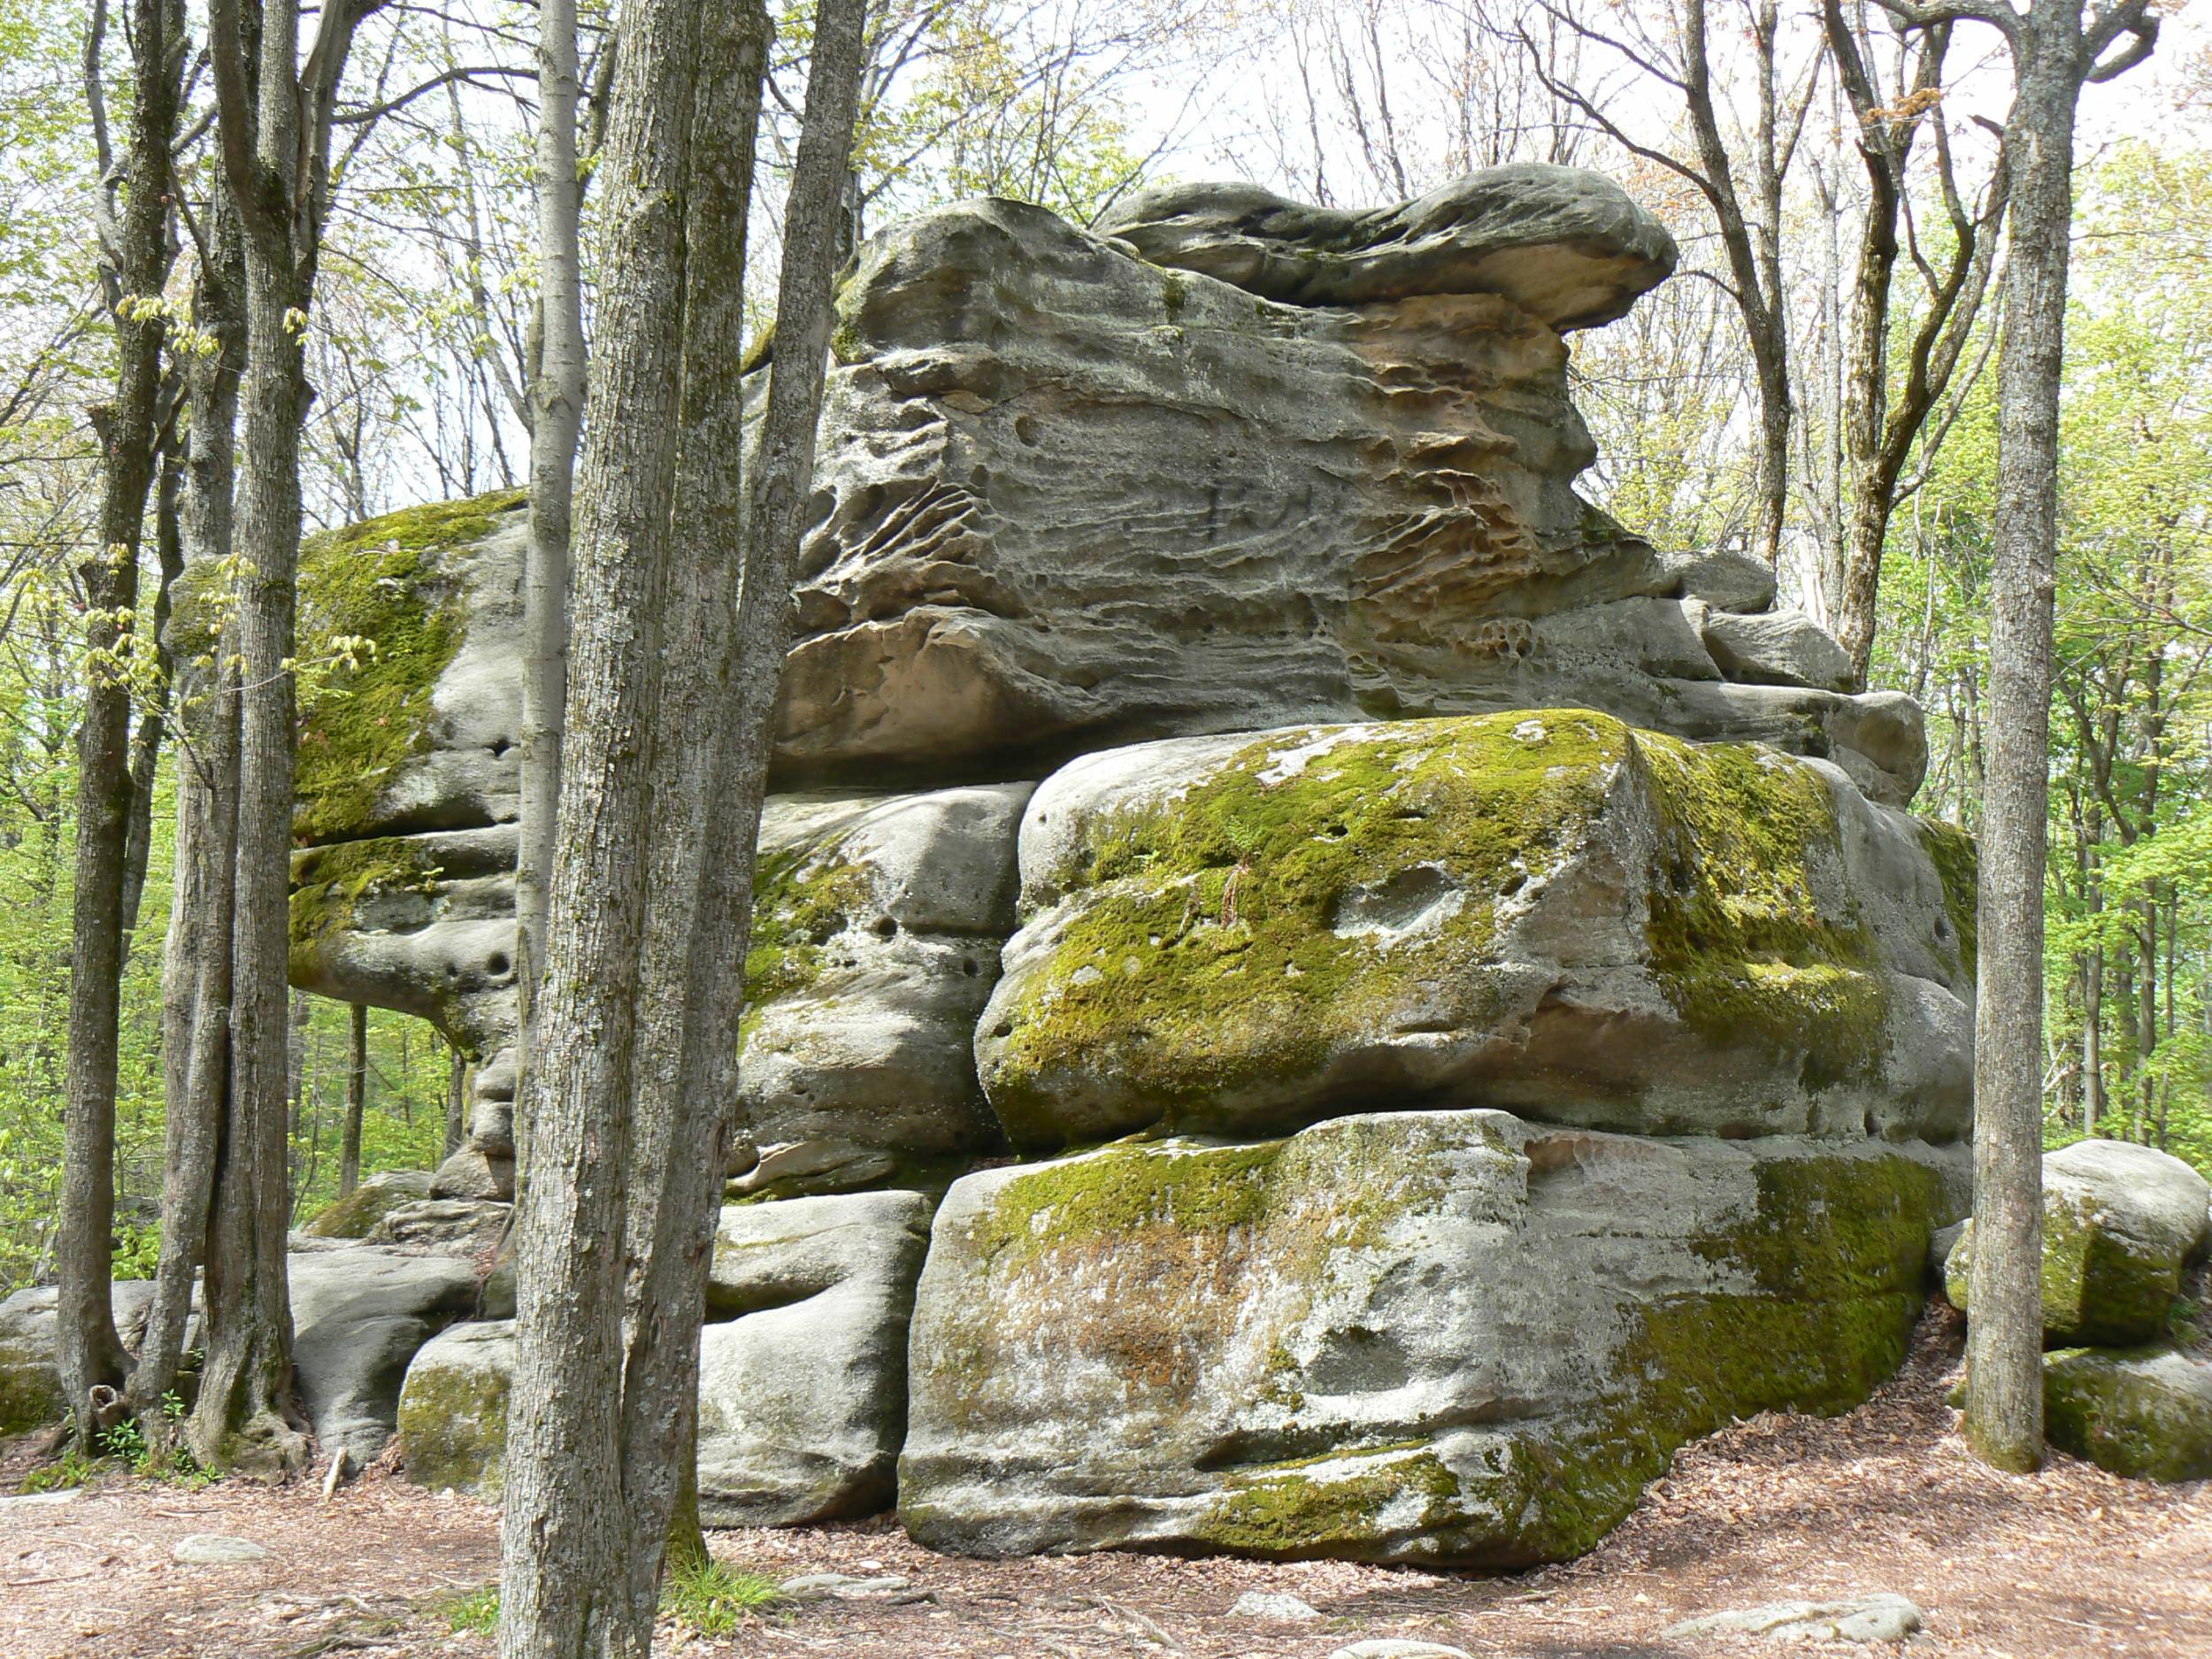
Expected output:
(2070, 1562)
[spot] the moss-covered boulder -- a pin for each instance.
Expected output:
(1449, 1337)
(1550, 913)
(453, 1409)
(357, 1214)
(2121, 1224)
(2145, 1412)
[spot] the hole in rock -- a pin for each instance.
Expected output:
(499, 747)
(495, 963)
(885, 928)
(1419, 897)
(1025, 429)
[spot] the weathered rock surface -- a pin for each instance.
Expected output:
(2145, 1412)
(803, 1366)
(1545, 912)
(876, 941)
(1863, 1618)
(216, 1550)
(2120, 1223)
(1452, 1337)
(802, 1395)
(1078, 500)
(30, 1381)
(453, 1409)
(402, 896)
(357, 1214)
(1567, 246)
(465, 1227)
(359, 1313)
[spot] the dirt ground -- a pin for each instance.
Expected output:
(2072, 1562)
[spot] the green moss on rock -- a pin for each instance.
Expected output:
(357, 1214)
(382, 580)
(1208, 956)
(803, 897)
(453, 1423)
(2144, 1412)
(1740, 941)
(1958, 862)
(331, 883)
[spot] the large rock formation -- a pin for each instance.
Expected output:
(1545, 912)
(1079, 496)
(1450, 1336)
(1203, 631)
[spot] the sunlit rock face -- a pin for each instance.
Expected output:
(1229, 463)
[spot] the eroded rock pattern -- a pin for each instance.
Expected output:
(1079, 499)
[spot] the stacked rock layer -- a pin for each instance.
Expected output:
(1528, 1029)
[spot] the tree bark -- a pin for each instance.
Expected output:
(557, 395)
(195, 966)
(681, 1122)
(564, 1534)
(274, 111)
(89, 1353)
(357, 1099)
(2004, 1384)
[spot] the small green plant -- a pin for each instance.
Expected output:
(72, 1468)
(714, 1598)
(474, 1613)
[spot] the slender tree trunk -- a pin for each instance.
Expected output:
(153, 720)
(2004, 1385)
(357, 1099)
(564, 1533)
(195, 967)
(556, 394)
(89, 1354)
(456, 1102)
(241, 1414)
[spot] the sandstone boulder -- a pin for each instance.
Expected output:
(1567, 246)
(1543, 912)
(876, 938)
(802, 1393)
(2145, 1412)
(357, 1214)
(453, 1409)
(359, 1313)
(1445, 1337)
(2120, 1223)
(1076, 498)
(802, 1367)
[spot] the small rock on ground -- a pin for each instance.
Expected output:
(217, 1549)
(842, 1586)
(1864, 1618)
(1399, 1647)
(1263, 1604)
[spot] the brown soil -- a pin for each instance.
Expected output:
(2070, 1562)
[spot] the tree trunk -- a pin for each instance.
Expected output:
(89, 1355)
(195, 966)
(2004, 1384)
(357, 1099)
(241, 1414)
(563, 1532)
(456, 1102)
(557, 395)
